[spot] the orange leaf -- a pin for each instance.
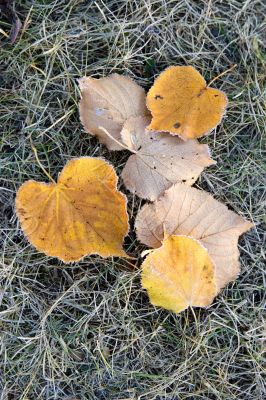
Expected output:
(179, 274)
(182, 104)
(184, 210)
(82, 214)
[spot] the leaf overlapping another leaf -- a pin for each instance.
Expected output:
(109, 102)
(179, 274)
(160, 160)
(184, 210)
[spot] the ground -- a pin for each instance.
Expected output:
(88, 331)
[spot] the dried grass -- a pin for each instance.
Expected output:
(88, 331)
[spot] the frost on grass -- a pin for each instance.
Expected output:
(88, 331)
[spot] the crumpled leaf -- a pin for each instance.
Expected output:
(108, 102)
(82, 214)
(184, 210)
(179, 274)
(160, 160)
(181, 103)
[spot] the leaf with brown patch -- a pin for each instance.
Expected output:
(181, 103)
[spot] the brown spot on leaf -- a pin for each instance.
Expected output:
(21, 211)
(158, 97)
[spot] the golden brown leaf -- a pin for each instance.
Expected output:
(108, 102)
(179, 274)
(160, 160)
(182, 104)
(184, 210)
(82, 214)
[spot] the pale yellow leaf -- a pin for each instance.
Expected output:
(179, 274)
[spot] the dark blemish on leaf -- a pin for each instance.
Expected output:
(177, 125)
(184, 180)
(205, 268)
(22, 211)
(201, 92)
(158, 97)
(216, 95)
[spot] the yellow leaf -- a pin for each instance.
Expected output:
(108, 102)
(82, 214)
(179, 274)
(182, 104)
(184, 210)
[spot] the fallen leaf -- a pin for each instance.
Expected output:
(179, 274)
(160, 160)
(184, 210)
(108, 102)
(181, 103)
(82, 214)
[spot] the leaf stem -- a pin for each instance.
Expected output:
(222, 74)
(120, 144)
(39, 162)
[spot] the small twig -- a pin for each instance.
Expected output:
(39, 162)
(222, 74)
